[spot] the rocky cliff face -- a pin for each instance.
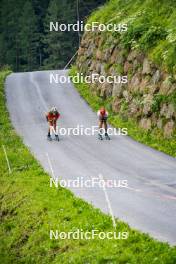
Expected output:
(148, 96)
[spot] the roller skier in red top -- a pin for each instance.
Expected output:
(103, 116)
(52, 116)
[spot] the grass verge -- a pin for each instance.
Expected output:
(154, 139)
(30, 208)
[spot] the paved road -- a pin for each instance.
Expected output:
(149, 202)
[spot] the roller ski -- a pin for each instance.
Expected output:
(107, 136)
(100, 137)
(49, 138)
(56, 137)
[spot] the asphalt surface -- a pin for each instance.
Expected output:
(149, 201)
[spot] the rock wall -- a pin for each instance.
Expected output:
(147, 97)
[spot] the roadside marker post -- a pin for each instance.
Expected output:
(7, 160)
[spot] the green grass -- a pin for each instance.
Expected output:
(30, 208)
(151, 27)
(153, 139)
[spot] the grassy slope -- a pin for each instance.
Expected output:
(30, 208)
(151, 27)
(154, 140)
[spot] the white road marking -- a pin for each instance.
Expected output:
(162, 196)
(35, 83)
(51, 167)
(108, 202)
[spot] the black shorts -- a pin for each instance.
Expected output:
(103, 119)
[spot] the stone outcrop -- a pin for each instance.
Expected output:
(146, 82)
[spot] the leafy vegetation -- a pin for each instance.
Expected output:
(159, 98)
(151, 27)
(153, 138)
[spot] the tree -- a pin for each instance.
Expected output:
(40, 8)
(9, 28)
(60, 46)
(28, 38)
(25, 39)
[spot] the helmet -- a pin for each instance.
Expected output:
(53, 109)
(102, 111)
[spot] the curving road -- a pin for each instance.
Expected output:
(147, 204)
